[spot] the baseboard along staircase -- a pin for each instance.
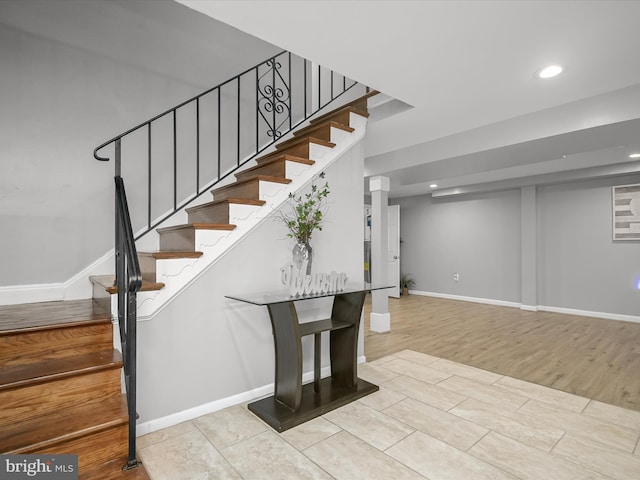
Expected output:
(60, 375)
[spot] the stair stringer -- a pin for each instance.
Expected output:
(178, 274)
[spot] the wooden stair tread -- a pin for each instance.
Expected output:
(113, 471)
(106, 282)
(165, 255)
(277, 156)
(349, 108)
(302, 139)
(349, 105)
(237, 201)
(53, 369)
(46, 431)
(50, 315)
(198, 226)
(254, 178)
(318, 125)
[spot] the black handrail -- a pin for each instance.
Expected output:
(129, 282)
(276, 114)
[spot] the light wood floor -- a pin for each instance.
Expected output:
(595, 358)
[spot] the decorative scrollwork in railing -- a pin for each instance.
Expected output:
(274, 97)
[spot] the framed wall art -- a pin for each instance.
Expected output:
(626, 212)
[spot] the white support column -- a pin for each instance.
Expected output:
(380, 316)
(528, 249)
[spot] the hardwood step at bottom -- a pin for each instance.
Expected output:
(32, 346)
(19, 376)
(47, 432)
(51, 315)
(183, 237)
(113, 471)
(24, 398)
(98, 448)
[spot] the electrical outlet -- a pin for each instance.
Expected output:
(456, 277)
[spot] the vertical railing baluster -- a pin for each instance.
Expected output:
(290, 93)
(257, 112)
(149, 175)
(238, 135)
(118, 159)
(332, 97)
(219, 137)
(197, 146)
(175, 161)
(273, 96)
(319, 88)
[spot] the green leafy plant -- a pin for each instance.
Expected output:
(306, 212)
(406, 281)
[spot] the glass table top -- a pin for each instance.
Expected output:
(282, 296)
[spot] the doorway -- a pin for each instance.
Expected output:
(393, 248)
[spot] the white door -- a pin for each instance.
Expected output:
(394, 250)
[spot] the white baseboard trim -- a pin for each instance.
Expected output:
(77, 287)
(532, 308)
(448, 296)
(586, 313)
(244, 397)
(43, 292)
(200, 410)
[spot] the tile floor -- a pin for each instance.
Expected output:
(432, 418)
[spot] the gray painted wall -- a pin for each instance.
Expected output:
(477, 237)
(203, 347)
(578, 265)
(75, 74)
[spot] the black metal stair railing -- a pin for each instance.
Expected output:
(199, 143)
(129, 282)
(203, 140)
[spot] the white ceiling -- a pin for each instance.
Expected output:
(480, 115)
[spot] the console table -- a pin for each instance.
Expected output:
(293, 403)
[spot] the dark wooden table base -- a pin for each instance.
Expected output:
(331, 396)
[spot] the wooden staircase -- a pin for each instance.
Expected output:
(179, 241)
(60, 377)
(60, 389)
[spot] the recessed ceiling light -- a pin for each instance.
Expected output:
(550, 71)
(433, 185)
(634, 155)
